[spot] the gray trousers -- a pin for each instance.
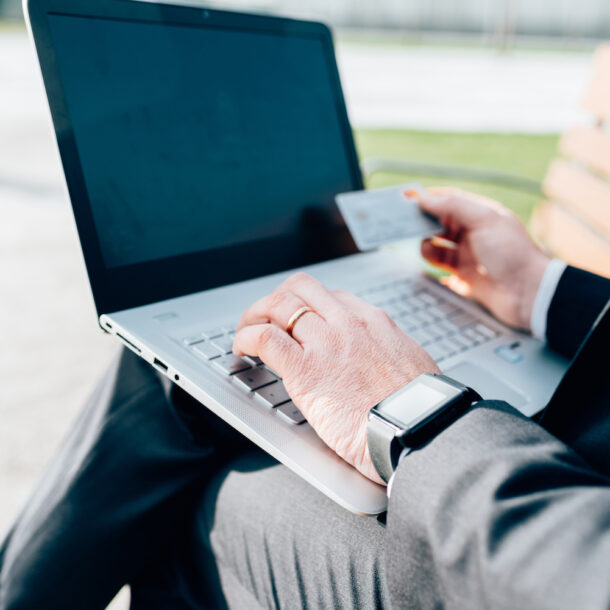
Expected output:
(152, 490)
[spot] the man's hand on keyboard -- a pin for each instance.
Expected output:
(496, 262)
(342, 358)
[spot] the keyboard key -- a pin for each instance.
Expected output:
(447, 308)
(193, 339)
(457, 342)
(402, 311)
(289, 412)
(471, 333)
(436, 313)
(463, 318)
(253, 360)
(272, 371)
(273, 395)
(434, 332)
(207, 350)
(214, 332)
(406, 324)
(421, 336)
(436, 352)
(406, 306)
(255, 378)
(229, 365)
(379, 302)
(485, 330)
(426, 316)
(428, 298)
(224, 343)
(395, 309)
(447, 349)
(418, 302)
(465, 341)
(417, 319)
(446, 327)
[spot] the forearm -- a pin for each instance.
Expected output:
(497, 513)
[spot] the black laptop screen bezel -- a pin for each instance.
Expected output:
(119, 288)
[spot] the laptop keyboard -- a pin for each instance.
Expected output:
(441, 327)
(249, 373)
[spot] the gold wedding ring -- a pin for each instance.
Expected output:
(295, 317)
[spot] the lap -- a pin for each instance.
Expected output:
(278, 542)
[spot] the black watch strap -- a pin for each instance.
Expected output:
(384, 447)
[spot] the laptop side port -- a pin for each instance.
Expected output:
(160, 365)
(128, 343)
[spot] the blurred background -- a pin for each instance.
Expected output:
(472, 83)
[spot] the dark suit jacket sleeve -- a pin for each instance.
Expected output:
(578, 300)
(497, 513)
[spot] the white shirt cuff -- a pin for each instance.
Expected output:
(544, 296)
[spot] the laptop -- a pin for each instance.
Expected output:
(202, 152)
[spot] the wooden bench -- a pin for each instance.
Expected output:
(574, 222)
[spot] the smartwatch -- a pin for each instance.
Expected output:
(412, 416)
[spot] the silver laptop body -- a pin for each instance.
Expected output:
(202, 151)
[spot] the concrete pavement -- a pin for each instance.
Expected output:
(444, 89)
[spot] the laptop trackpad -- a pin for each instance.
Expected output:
(485, 383)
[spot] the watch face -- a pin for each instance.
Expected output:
(416, 402)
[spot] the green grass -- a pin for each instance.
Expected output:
(521, 154)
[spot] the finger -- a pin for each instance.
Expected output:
(457, 285)
(255, 314)
(314, 294)
(439, 257)
(351, 301)
(453, 206)
(454, 231)
(270, 343)
(278, 308)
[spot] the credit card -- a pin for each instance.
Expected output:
(385, 215)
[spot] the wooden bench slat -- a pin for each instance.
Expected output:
(597, 97)
(587, 195)
(575, 224)
(571, 239)
(588, 145)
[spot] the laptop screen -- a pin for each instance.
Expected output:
(207, 140)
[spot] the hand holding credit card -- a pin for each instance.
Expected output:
(385, 215)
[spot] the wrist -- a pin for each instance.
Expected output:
(412, 416)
